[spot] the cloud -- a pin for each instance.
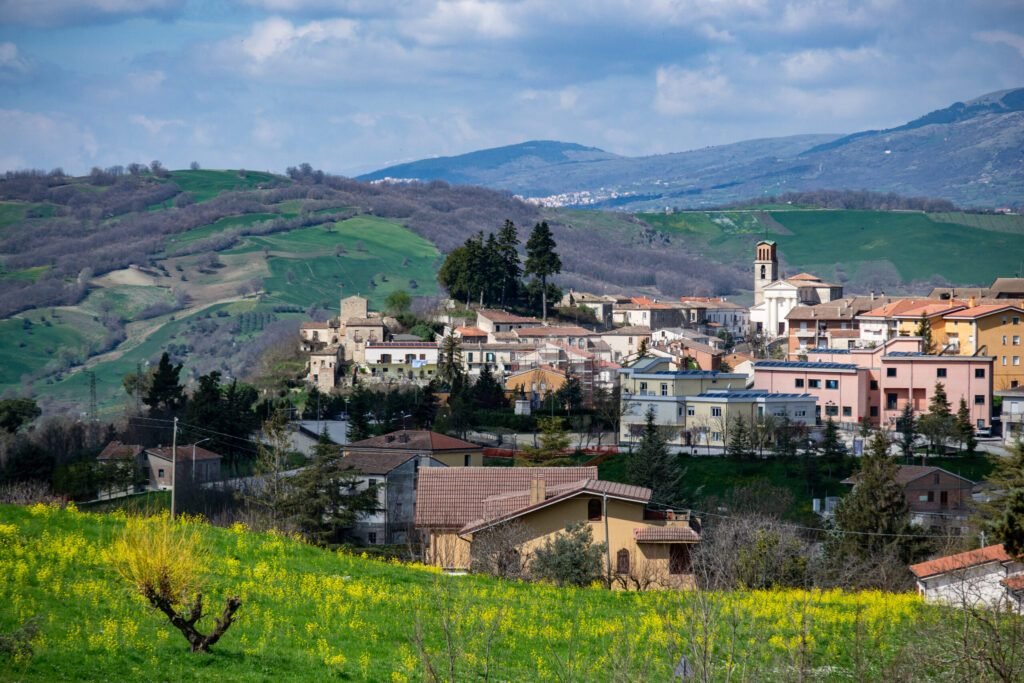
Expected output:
(45, 140)
(682, 91)
(48, 13)
(270, 133)
(155, 126)
(1002, 38)
(818, 64)
(146, 81)
(274, 36)
(13, 67)
(462, 21)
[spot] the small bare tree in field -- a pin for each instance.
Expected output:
(161, 559)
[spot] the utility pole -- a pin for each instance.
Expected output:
(174, 466)
(93, 417)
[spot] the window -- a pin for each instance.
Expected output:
(716, 436)
(814, 383)
(890, 401)
(371, 538)
(831, 411)
(936, 478)
(1016, 320)
(940, 372)
(679, 558)
(874, 385)
(470, 356)
(690, 411)
(1016, 340)
(979, 372)
(831, 384)
(943, 498)
(594, 510)
(622, 562)
(643, 387)
(467, 459)
(373, 482)
(664, 389)
(799, 383)
(799, 413)
(160, 473)
(847, 411)
(489, 356)
(762, 272)
(1016, 360)
(890, 372)
(979, 400)
(1004, 340)
(1004, 360)
(716, 412)
(873, 411)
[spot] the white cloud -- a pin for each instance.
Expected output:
(1002, 37)
(13, 67)
(268, 133)
(66, 12)
(814, 65)
(146, 81)
(274, 36)
(688, 91)
(45, 140)
(461, 21)
(155, 126)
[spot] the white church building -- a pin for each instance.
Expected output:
(775, 297)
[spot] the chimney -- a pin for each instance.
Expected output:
(972, 302)
(538, 491)
(403, 437)
(872, 295)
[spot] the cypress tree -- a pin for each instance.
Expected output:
(541, 259)
(965, 428)
(740, 443)
(166, 395)
(511, 270)
(652, 465)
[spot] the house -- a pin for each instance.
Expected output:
(362, 331)
(492, 321)
(689, 353)
(710, 414)
(854, 385)
(985, 576)
(117, 454)
(446, 449)
(625, 342)
(324, 368)
(501, 357)
(740, 362)
(535, 383)
(456, 508)
(879, 324)
(600, 306)
(644, 312)
(831, 325)
(993, 330)
(936, 497)
(572, 335)
(471, 335)
(720, 314)
(414, 360)
(304, 435)
(1012, 417)
(194, 463)
(396, 474)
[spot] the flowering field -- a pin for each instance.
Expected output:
(313, 615)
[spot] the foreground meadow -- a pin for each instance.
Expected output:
(313, 615)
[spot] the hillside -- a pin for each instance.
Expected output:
(312, 615)
(968, 153)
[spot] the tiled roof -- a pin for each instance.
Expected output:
(665, 534)
(981, 311)
(950, 563)
(502, 507)
(315, 325)
(413, 440)
(899, 306)
(1014, 583)
(115, 450)
(184, 453)
(566, 331)
(497, 316)
(470, 332)
(375, 463)
(632, 330)
(451, 497)
(928, 309)
(908, 473)
(804, 276)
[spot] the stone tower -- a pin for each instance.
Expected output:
(353, 307)
(766, 268)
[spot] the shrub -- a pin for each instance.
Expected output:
(570, 559)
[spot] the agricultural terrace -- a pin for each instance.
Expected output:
(309, 614)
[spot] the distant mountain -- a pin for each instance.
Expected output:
(971, 153)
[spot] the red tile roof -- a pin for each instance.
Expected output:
(950, 563)
(982, 311)
(566, 331)
(900, 305)
(184, 453)
(413, 440)
(375, 463)
(927, 310)
(115, 450)
(470, 332)
(665, 534)
(503, 317)
(451, 497)
(1014, 583)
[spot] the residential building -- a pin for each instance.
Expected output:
(879, 324)
(396, 474)
(573, 335)
(456, 508)
(728, 316)
(1001, 288)
(644, 312)
(711, 414)
(993, 330)
(600, 306)
(688, 353)
(1012, 416)
(494, 321)
(840, 390)
(937, 498)
(985, 576)
(409, 360)
(358, 333)
(324, 368)
(502, 358)
(831, 325)
(194, 463)
(535, 383)
(625, 342)
(471, 335)
(446, 449)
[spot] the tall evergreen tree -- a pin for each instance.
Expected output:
(1002, 516)
(511, 270)
(425, 410)
(924, 331)
(965, 428)
(570, 394)
(541, 259)
(653, 466)
(740, 444)
(875, 512)
(166, 396)
(906, 425)
(358, 414)
(831, 448)
(785, 439)
(449, 363)
(939, 424)
(487, 392)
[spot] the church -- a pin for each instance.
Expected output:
(775, 297)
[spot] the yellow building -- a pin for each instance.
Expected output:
(446, 449)
(909, 322)
(535, 382)
(645, 548)
(711, 414)
(995, 330)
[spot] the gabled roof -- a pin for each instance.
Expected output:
(908, 473)
(504, 507)
(184, 453)
(413, 440)
(928, 310)
(451, 497)
(982, 311)
(115, 450)
(952, 563)
(376, 463)
(470, 332)
(541, 368)
(899, 306)
(504, 317)
(629, 331)
(1015, 583)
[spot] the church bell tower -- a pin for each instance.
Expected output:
(766, 268)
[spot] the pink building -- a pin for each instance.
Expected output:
(875, 384)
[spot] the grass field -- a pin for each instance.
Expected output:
(962, 248)
(48, 338)
(219, 226)
(206, 185)
(311, 615)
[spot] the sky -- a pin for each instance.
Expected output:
(350, 86)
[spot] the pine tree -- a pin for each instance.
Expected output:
(831, 448)
(924, 331)
(541, 259)
(511, 270)
(938, 424)
(740, 444)
(570, 394)
(1003, 515)
(906, 425)
(785, 441)
(876, 505)
(425, 410)
(358, 414)
(652, 465)
(487, 392)
(554, 440)
(965, 428)
(166, 395)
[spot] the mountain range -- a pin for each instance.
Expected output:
(971, 153)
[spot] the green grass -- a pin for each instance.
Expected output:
(205, 185)
(26, 350)
(149, 503)
(32, 274)
(963, 248)
(219, 226)
(312, 615)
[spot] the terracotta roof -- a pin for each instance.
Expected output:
(950, 563)
(804, 276)
(982, 311)
(928, 310)
(632, 330)
(115, 450)
(566, 331)
(665, 534)
(451, 497)
(497, 316)
(899, 306)
(644, 302)
(503, 507)
(376, 463)
(184, 453)
(413, 440)
(1014, 583)
(908, 473)
(470, 332)
(735, 359)
(541, 368)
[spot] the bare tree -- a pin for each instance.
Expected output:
(498, 550)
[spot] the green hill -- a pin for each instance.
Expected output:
(312, 615)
